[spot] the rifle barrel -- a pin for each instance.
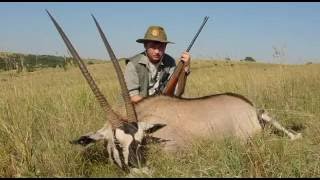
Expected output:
(171, 84)
(195, 37)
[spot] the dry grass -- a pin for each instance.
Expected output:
(41, 111)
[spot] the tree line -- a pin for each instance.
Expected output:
(30, 62)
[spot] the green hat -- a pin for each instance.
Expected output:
(155, 33)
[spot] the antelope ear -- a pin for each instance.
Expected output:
(83, 140)
(102, 134)
(150, 128)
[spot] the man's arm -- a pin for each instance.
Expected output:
(136, 98)
(132, 81)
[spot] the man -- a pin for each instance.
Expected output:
(148, 72)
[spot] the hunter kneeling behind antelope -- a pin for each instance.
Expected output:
(171, 121)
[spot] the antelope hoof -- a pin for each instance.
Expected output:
(296, 136)
(144, 172)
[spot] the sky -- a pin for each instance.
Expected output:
(234, 30)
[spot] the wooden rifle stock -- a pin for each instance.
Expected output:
(170, 86)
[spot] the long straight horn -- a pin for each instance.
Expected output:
(114, 118)
(131, 114)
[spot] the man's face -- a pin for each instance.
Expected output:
(155, 50)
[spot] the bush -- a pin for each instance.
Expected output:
(250, 59)
(90, 63)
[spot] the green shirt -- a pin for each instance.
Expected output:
(144, 78)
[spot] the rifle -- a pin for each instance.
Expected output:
(170, 86)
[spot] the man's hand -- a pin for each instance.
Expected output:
(186, 57)
(135, 99)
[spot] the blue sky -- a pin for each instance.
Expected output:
(234, 30)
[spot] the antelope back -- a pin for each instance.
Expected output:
(215, 116)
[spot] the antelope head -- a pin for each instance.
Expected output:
(126, 136)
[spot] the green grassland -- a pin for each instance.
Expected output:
(41, 111)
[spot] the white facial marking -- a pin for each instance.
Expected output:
(141, 127)
(116, 156)
(103, 133)
(125, 141)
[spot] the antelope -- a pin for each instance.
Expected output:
(172, 122)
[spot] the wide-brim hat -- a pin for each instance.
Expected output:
(155, 33)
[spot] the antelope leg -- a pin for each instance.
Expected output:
(276, 124)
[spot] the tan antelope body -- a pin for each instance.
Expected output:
(214, 116)
(174, 122)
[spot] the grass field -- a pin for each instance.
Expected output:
(41, 111)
